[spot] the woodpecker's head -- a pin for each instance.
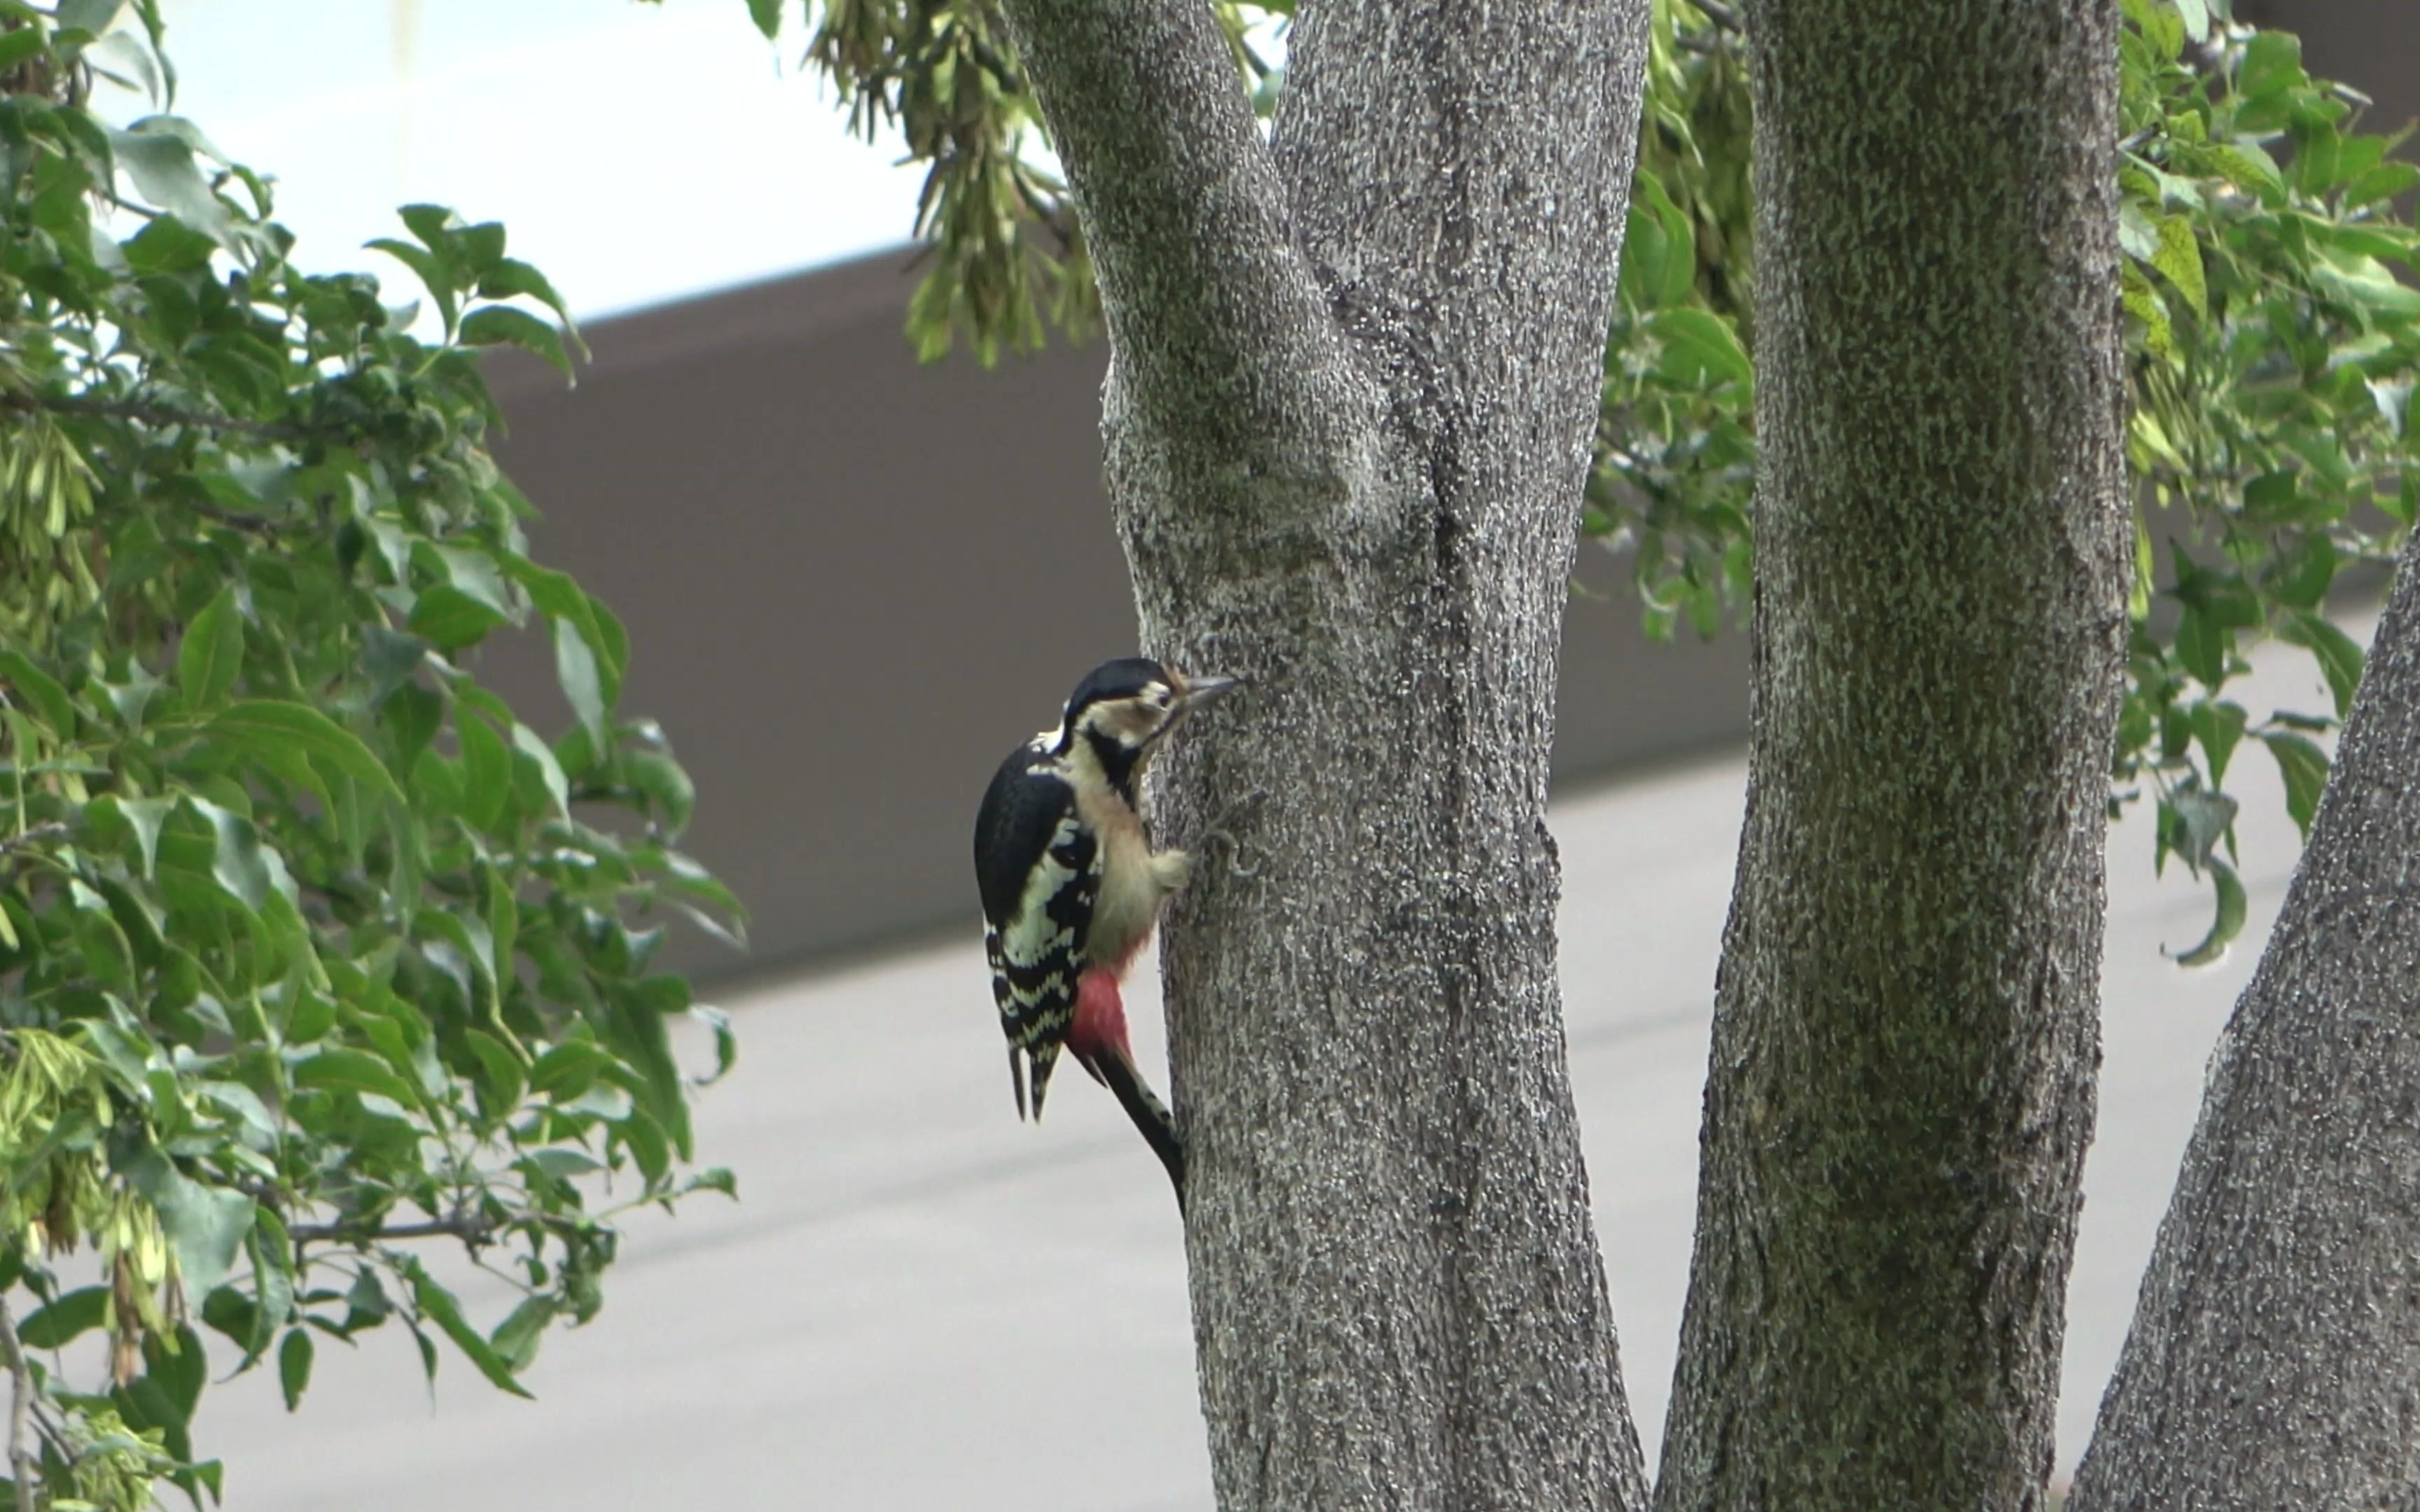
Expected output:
(1121, 710)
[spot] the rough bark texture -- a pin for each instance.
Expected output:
(1906, 1017)
(2274, 1360)
(1352, 382)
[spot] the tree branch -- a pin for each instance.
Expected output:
(21, 1409)
(2275, 1348)
(1226, 353)
(469, 1228)
(52, 829)
(1458, 174)
(150, 414)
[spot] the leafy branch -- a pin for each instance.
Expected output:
(467, 1227)
(150, 414)
(340, 932)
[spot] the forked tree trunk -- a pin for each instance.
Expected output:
(2274, 1360)
(1353, 385)
(1352, 378)
(1905, 1028)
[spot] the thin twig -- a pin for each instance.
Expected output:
(465, 1226)
(21, 1409)
(152, 414)
(52, 829)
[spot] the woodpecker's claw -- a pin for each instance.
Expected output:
(1221, 833)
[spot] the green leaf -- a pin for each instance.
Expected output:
(2218, 727)
(666, 785)
(2305, 767)
(575, 667)
(2246, 164)
(510, 277)
(251, 873)
(516, 1337)
(2300, 574)
(354, 1070)
(2339, 655)
(564, 1165)
(2202, 646)
(432, 223)
(294, 1365)
(2202, 819)
(213, 651)
(636, 1030)
(1700, 347)
(161, 163)
(727, 1042)
(565, 1072)
(555, 594)
(2135, 294)
(451, 618)
(502, 325)
(2272, 62)
(168, 245)
(28, 684)
(2363, 282)
(17, 46)
(486, 769)
(479, 247)
(177, 1362)
(539, 756)
(78, 1312)
(439, 1307)
(501, 1076)
(2178, 257)
(273, 724)
(766, 14)
(206, 1226)
(2382, 182)
(2229, 923)
(2195, 15)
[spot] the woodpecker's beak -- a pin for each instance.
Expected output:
(1207, 688)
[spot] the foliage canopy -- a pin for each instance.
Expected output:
(311, 944)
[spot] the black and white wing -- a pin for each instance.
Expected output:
(1038, 867)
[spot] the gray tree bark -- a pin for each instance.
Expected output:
(1352, 382)
(1906, 1029)
(2274, 1360)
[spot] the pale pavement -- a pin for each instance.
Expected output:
(921, 1304)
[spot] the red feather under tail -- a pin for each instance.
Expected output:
(1098, 1041)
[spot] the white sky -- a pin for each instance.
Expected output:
(637, 152)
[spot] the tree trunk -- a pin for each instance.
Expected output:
(2274, 1360)
(1353, 384)
(1905, 1028)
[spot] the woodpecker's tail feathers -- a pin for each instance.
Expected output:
(1152, 1120)
(1045, 1060)
(1017, 1079)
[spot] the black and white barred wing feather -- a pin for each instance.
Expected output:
(1039, 871)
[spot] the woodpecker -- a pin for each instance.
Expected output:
(1071, 888)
